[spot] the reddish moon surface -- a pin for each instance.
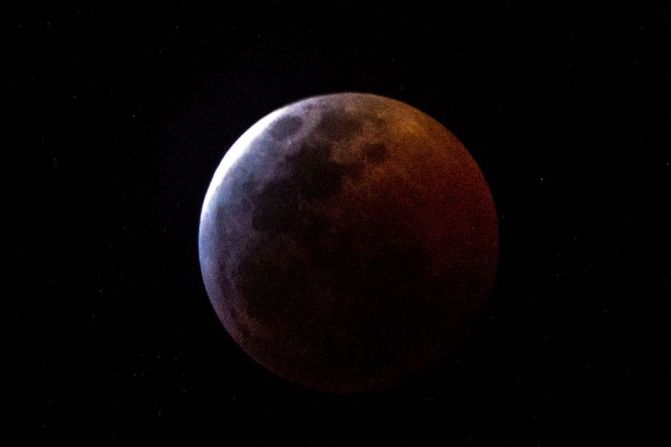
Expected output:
(347, 242)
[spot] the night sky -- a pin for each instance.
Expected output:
(116, 118)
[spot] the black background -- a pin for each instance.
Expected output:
(117, 117)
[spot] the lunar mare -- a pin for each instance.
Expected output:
(347, 241)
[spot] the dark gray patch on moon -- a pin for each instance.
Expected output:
(376, 152)
(314, 173)
(338, 125)
(312, 176)
(285, 127)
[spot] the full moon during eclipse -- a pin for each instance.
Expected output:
(347, 242)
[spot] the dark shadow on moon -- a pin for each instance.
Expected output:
(337, 125)
(285, 127)
(376, 152)
(312, 176)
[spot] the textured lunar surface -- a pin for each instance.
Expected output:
(347, 241)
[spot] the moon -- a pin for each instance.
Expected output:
(347, 242)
